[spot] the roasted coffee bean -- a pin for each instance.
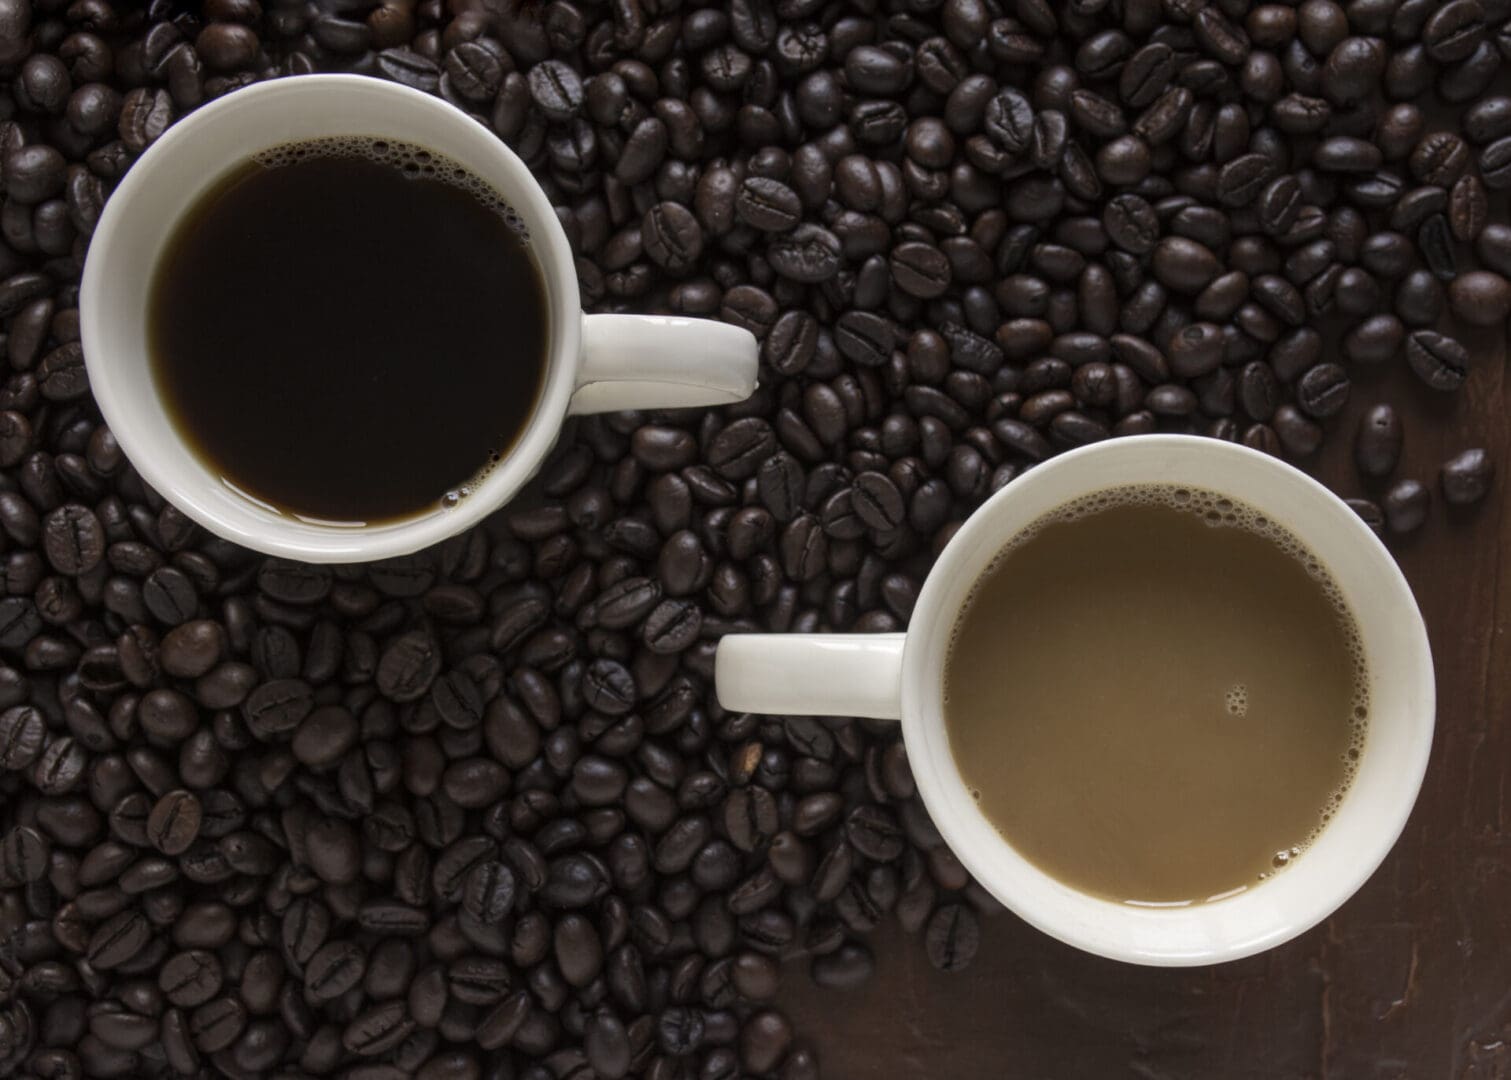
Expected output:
(1419, 299)
(73, 539)
(865, 338)
(808, 254)
(750, 817)
(174, 823)
(952, 937)
(476, 980)
(1196, 350)
(738, 450)
(334, 969)
(294, 583)
(408, 666)
(1258, 390)
(625, 603)
(768, 205)
(671, 237)
(170, 596)
(1468, 208)
(457, 700)
(792, 341)
(556, 89)
(573, 882)
(1480, 298)
(1466, 477)
(305, 927)
(503, 1021)
(1452, 31)
(1131, 223)
(192, 648)
(276, 708)
(1438, 360)
(846, 968)
(1369, 512)
(189, 979)
(145, 115)
(20, 622)
(118, 940)
(1435, 241)
(378, 1030)
(1241, 180)
(1493, 247)
(23, 856)
(1495, 163)
(217, 1024)
(23, 735)
(578, 950)
(672, 627)
(872, 832)
(607, 1046)
(1374, 341)
(1184, 265)
(1405, 505)
(920, 270)
(1323, 391)
(1298, 435)
(1377, 444)
(609, 687)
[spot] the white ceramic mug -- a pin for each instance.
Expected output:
(597, 363)
(892, 676)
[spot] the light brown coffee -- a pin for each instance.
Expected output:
(1156, 695)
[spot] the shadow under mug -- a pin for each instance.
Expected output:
(892, 676)
(596, 363)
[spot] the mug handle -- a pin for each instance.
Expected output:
(661, 362)
(811, 674)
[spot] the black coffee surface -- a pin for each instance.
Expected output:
(349, 336)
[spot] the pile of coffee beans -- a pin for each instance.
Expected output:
(476, 813)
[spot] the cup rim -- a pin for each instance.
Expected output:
(293, 538)
(1131, 933)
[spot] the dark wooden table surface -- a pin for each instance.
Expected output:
(1409, 979)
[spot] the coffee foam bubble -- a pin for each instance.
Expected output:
(1220, 511)
(412, 162)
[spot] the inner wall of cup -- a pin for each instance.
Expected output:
(205, 148)
(1400, 691)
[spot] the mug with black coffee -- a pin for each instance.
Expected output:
(1167, 698)
(335, 319)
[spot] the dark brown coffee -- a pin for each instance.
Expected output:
(349, 330)
(1156, 695)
